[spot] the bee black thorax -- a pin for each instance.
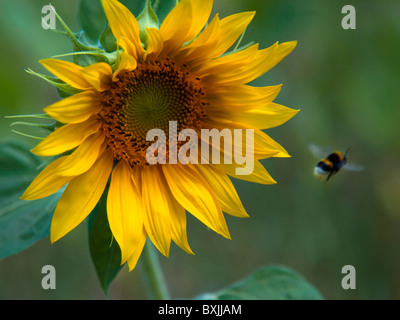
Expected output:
(333, 163)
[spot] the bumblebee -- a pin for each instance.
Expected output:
(331, 164)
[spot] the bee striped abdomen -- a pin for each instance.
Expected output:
(325, 165)
(330, 165)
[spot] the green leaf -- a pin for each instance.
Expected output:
(92, 18)
(107, 40)
(268, 283)
(104, 250)
(22, 223)
(134, 6)
(163, 7)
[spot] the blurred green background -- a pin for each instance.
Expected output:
(346, 84)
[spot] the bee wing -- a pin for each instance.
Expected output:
(353, 167)
(319, 152)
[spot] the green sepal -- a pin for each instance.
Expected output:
(31, 115)
(64, 90)
(104, 250)
(147, 19)
(43, 129)
(81, 44)
(108, 40)
(54, 81)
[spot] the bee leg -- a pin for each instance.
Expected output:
(330, 175)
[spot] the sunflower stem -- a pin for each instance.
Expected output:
(152, 274)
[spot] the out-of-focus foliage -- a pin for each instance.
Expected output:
(22, 223)
(267, 283)
(345, 83)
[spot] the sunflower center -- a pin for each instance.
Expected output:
(146, 98)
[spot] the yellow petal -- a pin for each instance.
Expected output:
(243, 97)
(257, 175)
(127, 60)
(137, 177)
(219, 142)
(194, 194)
(155, 43)
(126, 63)
(283, 50)
(268, 58)
(263, 61)
(201, 10)
(176, 26)
(223, 189)
(123, 23)
(198, 50)
(133, 259)
(231, 28)
(155, 202)
(80, 197)
(263, 146)
(226, 64)
(99, 75)
(177, 219)
(66, 138)
(216, 39)
(263, 117)
(127, 46)
(178, 224)
(47, 182)
(238, 76)
(125, 211)
(68, 72)
(76, 108)
(83, 158)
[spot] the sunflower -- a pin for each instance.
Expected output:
(182, 74)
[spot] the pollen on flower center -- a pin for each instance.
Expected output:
(146, 98)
